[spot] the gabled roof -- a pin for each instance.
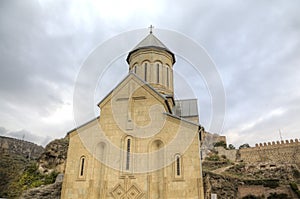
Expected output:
(150, 42)
(131, 74)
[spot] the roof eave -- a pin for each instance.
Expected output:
(147, 47)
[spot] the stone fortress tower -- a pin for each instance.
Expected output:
(140, 146)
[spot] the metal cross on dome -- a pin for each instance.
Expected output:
(151, 29)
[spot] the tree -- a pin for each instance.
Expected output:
(246, 145)
(230, 146)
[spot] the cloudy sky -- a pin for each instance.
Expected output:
(255, 45)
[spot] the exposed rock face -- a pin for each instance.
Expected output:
(15, 155)
(52, 159)
(224, 187)
(20, 147)
(286, 173)
(260, 182)
(240, 179)
(51, 191)
(54, 156)
(208, 141)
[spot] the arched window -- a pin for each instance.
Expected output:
(157, 72)
(145, 71)
(82, 164)
(168, 77)
(135, 67)
(178, 166)
(128, 151)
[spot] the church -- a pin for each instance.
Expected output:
(145, 144)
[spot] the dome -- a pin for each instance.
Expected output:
(150, 42)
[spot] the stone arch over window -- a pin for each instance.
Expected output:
(82, 167)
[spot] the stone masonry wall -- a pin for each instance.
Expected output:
(275, 152)
(230, 154)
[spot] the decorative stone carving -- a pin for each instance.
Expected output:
(127, 191)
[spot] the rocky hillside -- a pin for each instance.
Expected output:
(31, 169)
(54, 157)
(242, 180)
(51, 191)
(34, 173)
(15, 156)
(50, 163)
(22, 148)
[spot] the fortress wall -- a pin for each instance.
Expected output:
(230, 154)
(279, 152)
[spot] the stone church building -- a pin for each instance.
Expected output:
(144, 144)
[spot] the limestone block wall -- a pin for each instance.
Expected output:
(278, 152)
(131, 170)
(230, 154)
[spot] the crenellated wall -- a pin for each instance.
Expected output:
(274, 152)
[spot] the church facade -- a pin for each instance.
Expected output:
(144, 144)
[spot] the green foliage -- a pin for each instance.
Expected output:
(220, 144)
(277, 196)
(230, 146)
(246, 145)
(252, 197)
(294, 187)
(11, 167)
(49, 179)
(213, 158)
(31, 177)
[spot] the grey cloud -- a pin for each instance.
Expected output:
(25, 135)
(255, 45)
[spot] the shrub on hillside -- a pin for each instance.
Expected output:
(213, 158)
(220, 144)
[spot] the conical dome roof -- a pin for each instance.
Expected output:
(150, 42)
